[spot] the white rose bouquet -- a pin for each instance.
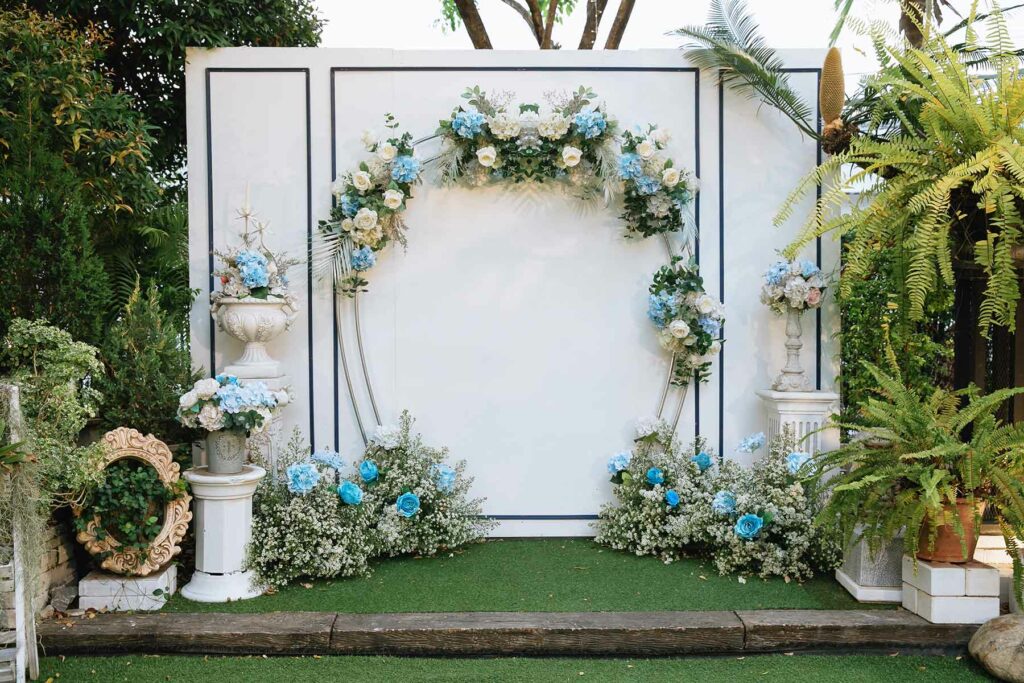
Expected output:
(689, 320)
(795, 285)
(252, 270)
(656, 191)
(224, 402)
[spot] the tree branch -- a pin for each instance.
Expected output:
(619, 25)
(538, 21)
(595, 10)
(552, 11)
(525, 14)
(474, 24)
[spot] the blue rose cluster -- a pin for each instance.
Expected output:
(655, 476)
(405, 169)
(468, 124)
(302, 478)
(444, 477)
(590, 124)
(363, 258)
(252, 265)
(661, 307)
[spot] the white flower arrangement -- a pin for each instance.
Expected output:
(225, 402)
(797, 285)
(674, 501)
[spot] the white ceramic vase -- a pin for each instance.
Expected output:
(225, 451)
(792, 377)
(255, 322)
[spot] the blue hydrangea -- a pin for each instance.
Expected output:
(748, 526)
(256, 394)
(350, 493)
(590, 124)
(329, 458)
(408, 504)
(724, 503)
(796, 460)
(671, 498)
(405, 169)
(468, 124)
(444, 477)
(252, 265)
(710, 325)
(655, 476)
(363, 258)
(777, 272)
(752, 443)
(232, 398)
(809, 269)
(619, 462)
(647, 185)
(368, 471)
(302, 477)
(661, 307)
(349, 206)
(630, 166)
(702, 460)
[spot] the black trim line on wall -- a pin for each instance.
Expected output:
(309, 213)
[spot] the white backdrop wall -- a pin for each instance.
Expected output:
(513, 327)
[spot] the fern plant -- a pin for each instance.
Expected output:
(922, 454)
(947, 184)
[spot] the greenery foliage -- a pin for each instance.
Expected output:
(147, 367)
(924, 452)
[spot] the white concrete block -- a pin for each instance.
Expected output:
(99, 584)
(909, 598)
(123, 603)
(935, 578)
(956, 610)
(982, 580)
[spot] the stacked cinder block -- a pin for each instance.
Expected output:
(945, 593)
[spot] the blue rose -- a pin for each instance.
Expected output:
(368, 471)
(350, 493)
(671, 498)
(407, 504)
(619, 462)
(302, 477)
(404, 169)
(748, 526)
(630, 166)
(363, 258)
(724, 503)
(796, 460)
(702, 460)
(751, 443)
(655, 476)
(444, 477)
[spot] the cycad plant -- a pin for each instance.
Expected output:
(944, 184)
(922, 454)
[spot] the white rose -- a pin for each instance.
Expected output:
(679, 329)
(487, 156)
(206, 388)
(366, 219)
(188, 399)
(571, 156)
(338, 187)
(393, 199)
(361, 180)
(705, 304)
(387, 152)
(368, 138)
(646, 149)
(347, 225)
(661, 136)
(670, 177)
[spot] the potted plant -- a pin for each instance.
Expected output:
(229, 411)
(936, 461)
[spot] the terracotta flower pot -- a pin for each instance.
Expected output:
(947, 542)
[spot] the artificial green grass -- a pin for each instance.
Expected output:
(834, 669)
(547, 575)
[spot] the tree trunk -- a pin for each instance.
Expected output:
(619, 25)
(474, 24)
(549, 24)
(595, 10)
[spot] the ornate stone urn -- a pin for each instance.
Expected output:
(792, 377)
(225, 451)
(255, 322)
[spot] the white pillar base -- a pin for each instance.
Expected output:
(804, 412)
(223, 525)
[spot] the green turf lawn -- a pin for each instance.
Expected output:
(834, 669)
(550, 575)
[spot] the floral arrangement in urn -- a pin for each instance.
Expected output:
(795, 285)
(229, 410)
(689, 320)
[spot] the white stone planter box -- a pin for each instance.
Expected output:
(873, 577)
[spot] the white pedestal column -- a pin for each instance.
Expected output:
(223, 524)
(805, 412)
